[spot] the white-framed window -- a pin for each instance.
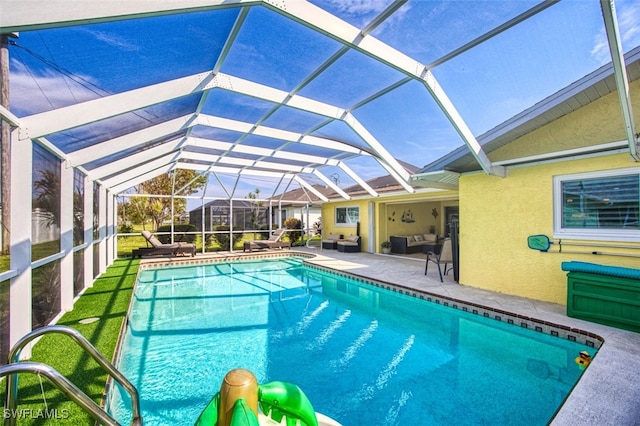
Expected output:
(347, 215)
(597, 205)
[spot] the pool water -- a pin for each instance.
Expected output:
(362, 354)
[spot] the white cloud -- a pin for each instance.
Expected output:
(112, 40)
(42, 90)
(628, 14)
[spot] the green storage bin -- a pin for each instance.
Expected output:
(611, 298)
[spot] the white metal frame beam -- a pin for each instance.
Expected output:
(322, 21)
(21, 15)
(620, 74)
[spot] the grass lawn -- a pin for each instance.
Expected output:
(107, 300)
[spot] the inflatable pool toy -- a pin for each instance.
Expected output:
(583, 360)
(236, 404)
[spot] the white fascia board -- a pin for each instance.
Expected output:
(130, 161)
(140, 137)
(23, 15)
(353, 175)
(333, 27)
(256, 90)
(331, 185)
(143, 168)
(57, 120)
(116, 189)
(309, 187)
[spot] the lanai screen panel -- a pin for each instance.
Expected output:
(255, 76)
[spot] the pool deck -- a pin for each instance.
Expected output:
(608, 392)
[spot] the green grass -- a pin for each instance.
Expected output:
(107, 300)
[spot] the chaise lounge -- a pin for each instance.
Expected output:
(273, 242)
(159, 249)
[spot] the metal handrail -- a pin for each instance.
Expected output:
(62, 383)
(14, 356)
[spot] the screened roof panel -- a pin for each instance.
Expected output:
(428, 30)
(68, 65)
(273, 50)
(351, 79)
(113, 127)
(290, 84)
(340, 131)
(294, 119)
(223, 103)
(529, 62)
(214, 133)
(426, 132)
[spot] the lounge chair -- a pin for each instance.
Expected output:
(444, 257)
(159, 249)
(331, 242)
(349, 245)
(273, 242)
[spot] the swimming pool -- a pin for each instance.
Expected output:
(361, 353)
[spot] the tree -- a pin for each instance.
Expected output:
(158, 209)
(256, 207)
(294, 223)
(47, 196)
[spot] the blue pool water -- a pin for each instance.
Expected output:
(363, 355)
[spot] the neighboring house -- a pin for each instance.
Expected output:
(301, 204)
(245, 213)
(569, 176)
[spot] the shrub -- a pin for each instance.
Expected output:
(179, 233)
(126, 228)
(293, 223)
(223, 238)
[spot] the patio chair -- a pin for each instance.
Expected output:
(159, 249)
(331, 242)
(444, 257)
(273, 242)
(350, 245)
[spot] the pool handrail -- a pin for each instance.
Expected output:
(14, 357)
(61, 383)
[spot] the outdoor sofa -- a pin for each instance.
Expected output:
(331, 242)
(349, 245)
(405, 244)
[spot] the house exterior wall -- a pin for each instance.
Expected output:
(498, 214)
(418, 206)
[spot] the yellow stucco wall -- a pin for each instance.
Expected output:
(597, 123)
(497, 215)
(329, 225)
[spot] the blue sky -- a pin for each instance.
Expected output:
(488, 84)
